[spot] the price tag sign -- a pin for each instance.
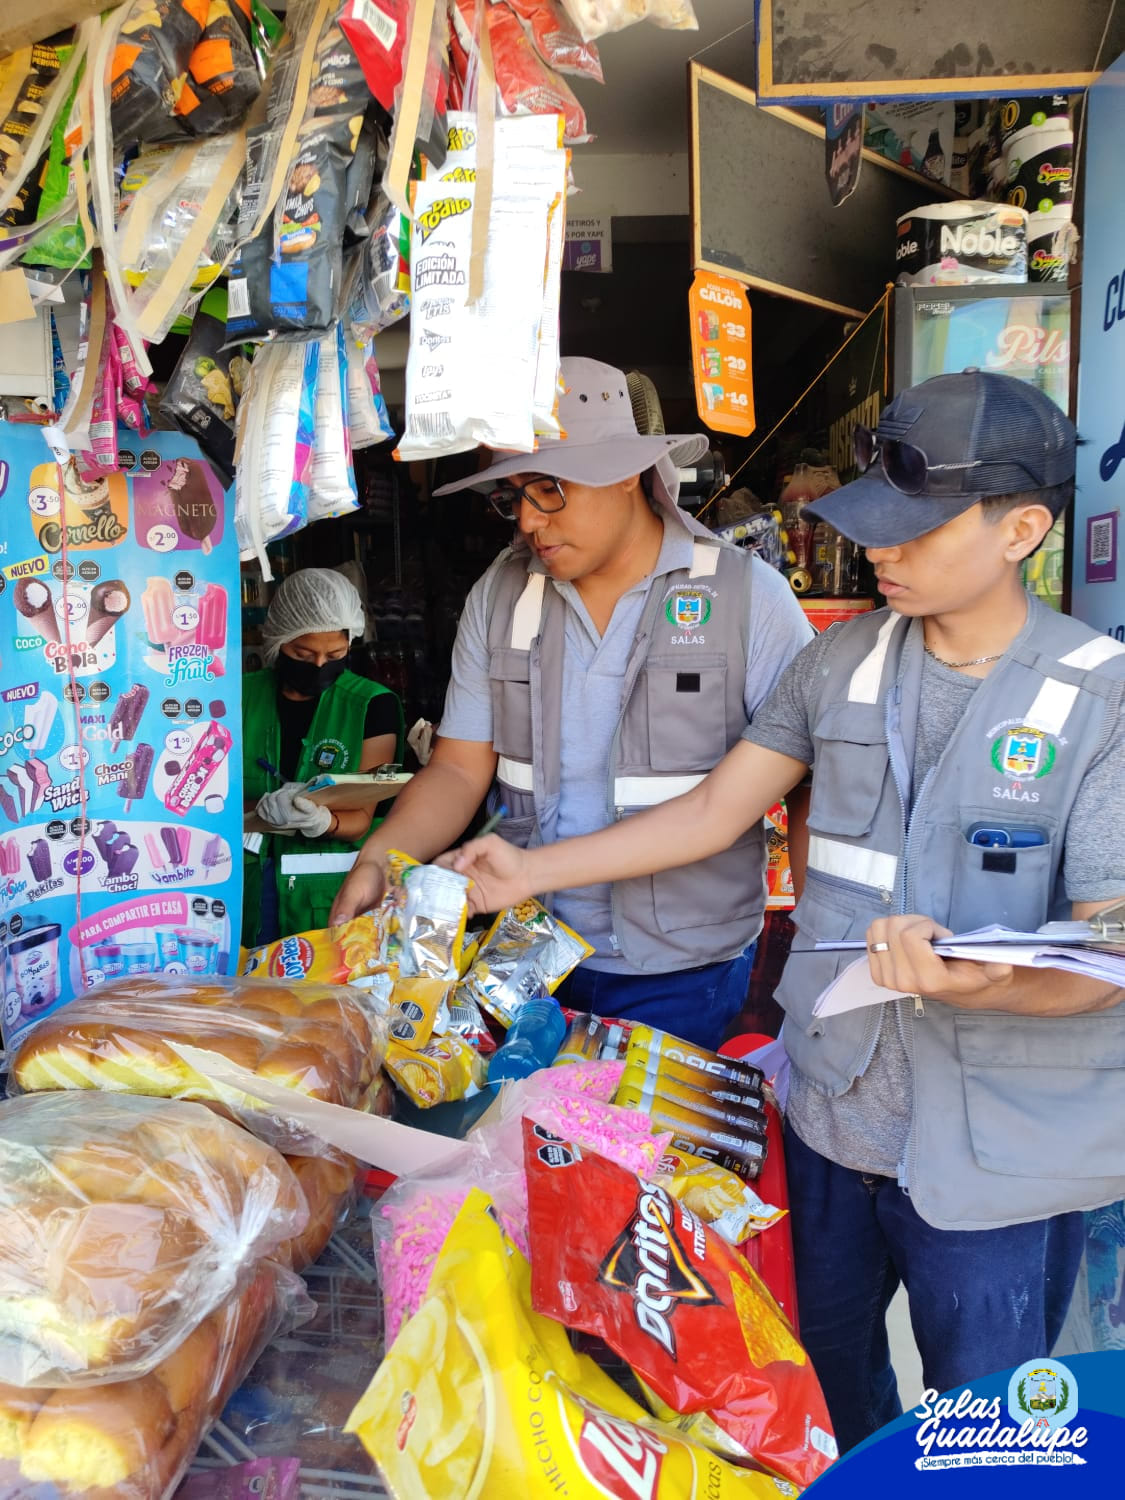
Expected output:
(721, 353)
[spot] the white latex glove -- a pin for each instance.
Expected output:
(287, 808)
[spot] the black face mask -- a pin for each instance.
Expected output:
(305, 677)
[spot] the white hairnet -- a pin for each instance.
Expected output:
(314, 599)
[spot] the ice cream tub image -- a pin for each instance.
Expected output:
(200, 950)
(169, 948)
(108, 959)
(138, 956)
(33, 960)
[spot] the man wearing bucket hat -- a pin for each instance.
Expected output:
(968, 753)
(605, 662)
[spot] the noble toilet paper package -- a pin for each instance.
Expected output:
(961, 244)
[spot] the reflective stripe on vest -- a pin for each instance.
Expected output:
(319, 864)
(528, 612)
(848, 862)
(650, 791)
(1054, 700)
(867, 679)
(515, 773)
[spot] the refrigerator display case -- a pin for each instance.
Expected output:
(1017, 330)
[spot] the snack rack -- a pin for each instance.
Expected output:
(295, 1400)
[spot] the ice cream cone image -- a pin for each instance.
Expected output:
(36, 603)
(108, 602)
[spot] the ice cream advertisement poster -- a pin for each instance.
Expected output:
(120, 788)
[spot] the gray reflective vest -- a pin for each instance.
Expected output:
(682, 710)
(1014, 1117)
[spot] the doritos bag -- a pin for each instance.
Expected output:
(478, 1399)
(617, 1257)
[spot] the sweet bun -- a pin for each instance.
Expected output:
(275, 998)
(188, 1374)
(243, 1051)
(97, 1436)
(17, 1410)
(305, 1069)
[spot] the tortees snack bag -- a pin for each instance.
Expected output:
(477, 1399)
(619, 1258)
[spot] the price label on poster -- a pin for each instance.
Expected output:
(721, 354)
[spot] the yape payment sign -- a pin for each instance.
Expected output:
(721, 354)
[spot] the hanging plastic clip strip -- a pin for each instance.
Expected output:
(410, 106)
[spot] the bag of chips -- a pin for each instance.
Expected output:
(556, 38)
(478, 1399)
(149, 67)
(730, 1206)
(526, 953)
(222, 77)
(369, 421)
(676, 1301)
(204, 389)
(444, 1070)
(332, 488)
(595, 18)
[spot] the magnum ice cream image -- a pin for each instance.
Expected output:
(193, 502)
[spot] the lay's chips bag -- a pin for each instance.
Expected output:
(477, 1399)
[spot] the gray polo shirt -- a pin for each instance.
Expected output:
(593, 677)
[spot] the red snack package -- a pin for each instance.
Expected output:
(557, 39)
(676, 1301)
(377, 32)
(527, 85)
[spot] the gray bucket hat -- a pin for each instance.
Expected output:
(602, 445)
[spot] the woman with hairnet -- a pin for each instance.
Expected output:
(304, 715)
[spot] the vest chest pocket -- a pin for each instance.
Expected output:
(687, 711)
(851, 768)
(1012, 887)
(509, 681)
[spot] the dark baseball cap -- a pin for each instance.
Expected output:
(951, 441)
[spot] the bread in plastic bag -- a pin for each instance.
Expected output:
(126, 1221)
(134, 1438)
(323, 1041)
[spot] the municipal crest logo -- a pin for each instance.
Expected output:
(1023, 754)
(1044, 1392)
(688, 609)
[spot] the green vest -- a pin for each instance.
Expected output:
(334, 745)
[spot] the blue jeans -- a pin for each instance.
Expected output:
(981, 1300)
(695, 1004)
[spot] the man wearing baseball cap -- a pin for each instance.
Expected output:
(603, 664)
(968, 757)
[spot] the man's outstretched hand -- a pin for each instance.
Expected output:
(498, 870)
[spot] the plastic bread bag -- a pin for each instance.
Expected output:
(273, 449)
(149, 65)
(481, 1398)
(329, 1185)
(135, 1438)
(332, 487)
(594, 18)
(202, 393)
(127, 1220)
(556, 38)
(222, 79)
(323, 1041)
(675, 1301)
(526, 952)
(369, 421)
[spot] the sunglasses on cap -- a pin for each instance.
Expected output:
(910, 472)
(541, 491)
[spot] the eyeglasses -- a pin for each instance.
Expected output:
(909, 470)
(544, 493)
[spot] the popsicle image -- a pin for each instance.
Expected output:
(36, 603)
(39, 717)
(183, 838)
(157, 602)
(212, 628)
(39, 858)
(103, 839)
(194, 504)
(156, 854)
(208, 755)
(123, 856)
(172, 844)
(108, 602)
(135, 782)
(40, 782)
(214, 852)
(9, 857)
(127, 711)
(8, 807)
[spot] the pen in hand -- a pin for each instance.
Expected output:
(490, 825)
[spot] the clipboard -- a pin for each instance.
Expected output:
(339, 793)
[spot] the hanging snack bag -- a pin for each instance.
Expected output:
(28, 88)
(478, 1398)
(444, 1070)
(222, 77)
(556, 38)
(380, 294)
(149, 67)
(594, 18)
(428, 927)
(368, 419)
(527, 85)
(676, 1301)
(275, 428)
(201, 397)
(332, 489)
(730, 1206)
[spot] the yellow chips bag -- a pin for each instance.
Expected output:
(445, 1069)
(731, 1206)
(477, 1399)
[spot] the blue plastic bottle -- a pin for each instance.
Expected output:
(533, 1039)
